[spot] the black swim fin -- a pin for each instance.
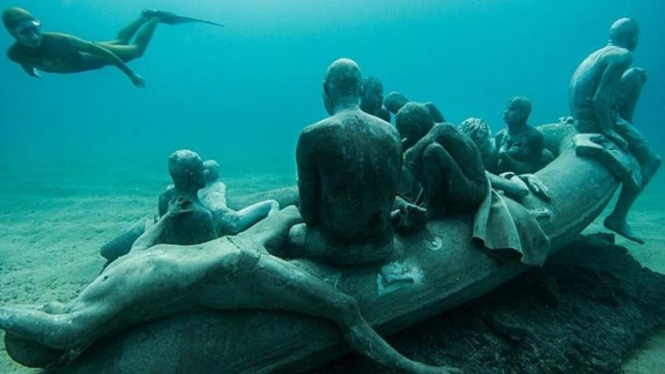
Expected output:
(170, 18)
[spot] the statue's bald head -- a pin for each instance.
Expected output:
(211, 171)
(625, 33)
(342, 82)
(186, 169)
(394, 102)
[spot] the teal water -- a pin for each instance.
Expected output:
(82, 156)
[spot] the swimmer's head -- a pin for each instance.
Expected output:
(371, 98)
(211, 171)
(413, 122)
(517, 110)
(625, 33)
(394, 102)
(23, 26)
(480, 134)
(341, 82)
(186, 169)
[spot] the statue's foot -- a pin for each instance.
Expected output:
(622, 228)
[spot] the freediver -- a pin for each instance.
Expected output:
(594, 101)
(229, 221)
(234, 272)
(521, 147)
(348, 171)
(65, 54)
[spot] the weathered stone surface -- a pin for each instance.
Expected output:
(584, 312)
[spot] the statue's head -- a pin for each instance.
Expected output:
(518, 110)
(341, 83)
(394, 102)
(480, 133)
(371, 98)
(23, 26)
(625, 33)
(186, 169)
(210, 171)
(413, 122)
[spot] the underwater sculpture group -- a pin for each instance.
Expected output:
(351, 166)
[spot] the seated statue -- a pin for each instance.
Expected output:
(228, 221)
(601, 97)
(447, 164)
(371, 99)
(521, 147)
(348, 170)
(228, 273)
(186, 170)
(481, 135)
(396, 101)
(513, 185)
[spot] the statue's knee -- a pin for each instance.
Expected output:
(432, 152)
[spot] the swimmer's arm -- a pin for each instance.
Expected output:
(31, 71)
(603, 98)
(308, 179)
(111, 58)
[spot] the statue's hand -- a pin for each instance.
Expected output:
(536, 186)
(180, 206)
(409, 218)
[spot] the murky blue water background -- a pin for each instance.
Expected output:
(242, 94)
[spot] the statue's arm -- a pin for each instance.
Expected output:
(603, 99)
(151, 236)
(308, 178)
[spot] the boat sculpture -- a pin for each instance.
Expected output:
(434, 270)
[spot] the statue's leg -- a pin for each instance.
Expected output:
(436, 163)
(649, 164)
(446, 185)
(281, 285)
(60, 331)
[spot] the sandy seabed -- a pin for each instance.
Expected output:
(53, 222)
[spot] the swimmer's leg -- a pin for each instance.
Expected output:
(136, 50)
(126, 34)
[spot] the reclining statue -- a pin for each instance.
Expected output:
(233, 272)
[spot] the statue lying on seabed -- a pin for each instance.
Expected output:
(405, 279)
